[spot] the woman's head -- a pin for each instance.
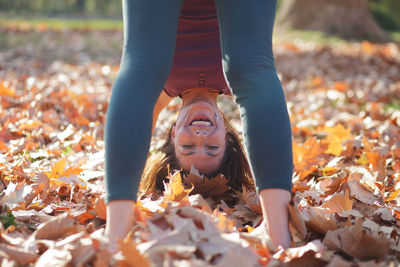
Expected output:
(230, 160)
(199, 137)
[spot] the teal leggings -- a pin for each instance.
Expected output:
(150, 29)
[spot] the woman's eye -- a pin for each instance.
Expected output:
(187, 146)
(213, 147)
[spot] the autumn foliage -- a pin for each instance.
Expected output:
(344, 104)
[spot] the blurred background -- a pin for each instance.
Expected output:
(377, 20)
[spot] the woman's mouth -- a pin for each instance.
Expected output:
(201, 120)
(201, 123)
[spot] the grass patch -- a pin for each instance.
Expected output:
(61, 23)
(317, 37)
(7, 219)
(394, 105)
(395, 36)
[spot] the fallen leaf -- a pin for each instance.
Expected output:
(56, 228)
(357, 242)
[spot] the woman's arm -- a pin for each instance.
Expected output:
(120, 212)
(162, 101)
(119, 221)
(274, 203)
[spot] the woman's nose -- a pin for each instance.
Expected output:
(200, 133)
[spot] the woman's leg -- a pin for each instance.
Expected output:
(150, 28)
(248, 63)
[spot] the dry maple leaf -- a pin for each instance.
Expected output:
(57, 170)
(306, 157)
(378, 163)
(357, 242)
(205, 186)
(335, 138)
(338, 202)
(251, 199)
(22, 256)
(56, 228)
(289, 254)
(174, 190)
(132, 256)
(100, 208)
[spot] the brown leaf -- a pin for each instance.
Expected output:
(338, 202)
(215, 186)
(56, 228)
(251, 199)
(321, 220)
(378, 163)
(100, 208)
(206, 186)
(361, 193)
(297, 221)
(21, 256)
(57, 257)
(103, 258)
(314, 247)
(357, 242)
(198, 201)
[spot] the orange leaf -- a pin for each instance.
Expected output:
(85, 217)
(264, 256)
(57, 170)
(6, 91)
(378, 163)
(100, 208)
(341, 86)
(3, 146)
(393, 195)
(174, 190)
(132, 256)
(307, 156)
(72, 171)
(335, 138)
(367, 47)
(224, 223)
(317, 81)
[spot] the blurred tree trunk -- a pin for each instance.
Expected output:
(345, 18)
(80, 5)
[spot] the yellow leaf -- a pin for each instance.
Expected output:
(174, 190)
(224, 223)
(57, 170)
(72, 171)
(363, 159)
(132, 256)
(335, 138)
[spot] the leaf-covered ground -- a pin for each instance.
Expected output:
(344, 103)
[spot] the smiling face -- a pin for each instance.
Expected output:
(199, 136)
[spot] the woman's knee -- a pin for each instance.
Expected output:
(239, 71)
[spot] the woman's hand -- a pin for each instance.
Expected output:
(274, 204)
(119, 221)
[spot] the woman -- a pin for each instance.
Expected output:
(207, 141)
(150, 64)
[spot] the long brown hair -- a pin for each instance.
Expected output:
(234, 164)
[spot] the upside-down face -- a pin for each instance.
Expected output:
(199, 136)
